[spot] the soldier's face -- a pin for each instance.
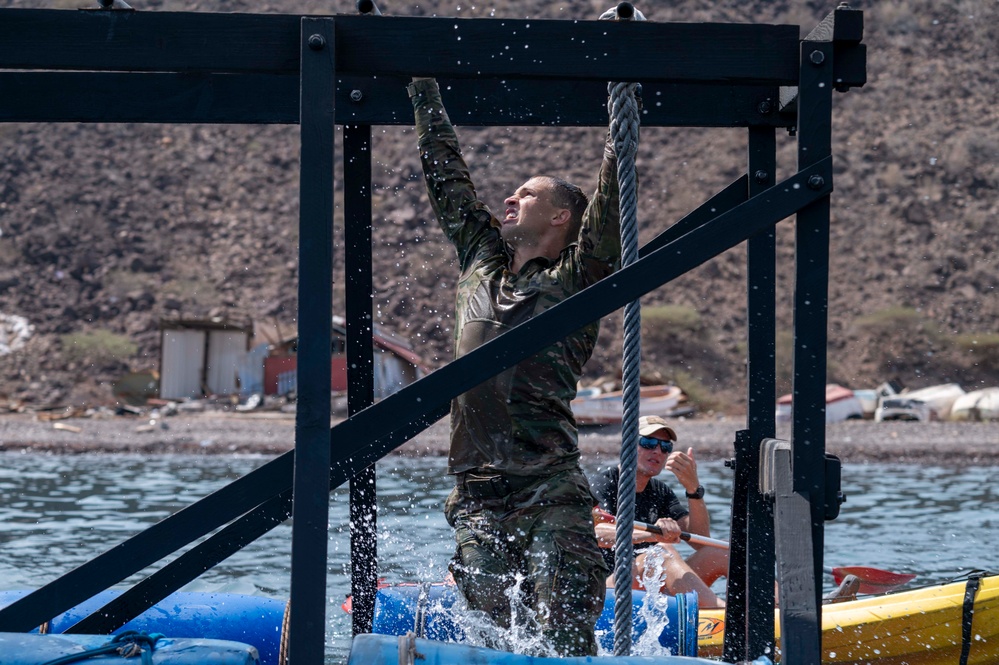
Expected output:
(529, 212)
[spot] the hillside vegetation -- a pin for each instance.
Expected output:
(106, 229)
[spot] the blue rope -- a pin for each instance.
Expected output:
(128, 644)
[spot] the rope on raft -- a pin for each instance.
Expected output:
(129, 644)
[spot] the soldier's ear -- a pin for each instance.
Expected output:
(562, 217)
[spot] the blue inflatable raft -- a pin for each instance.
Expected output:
(425, 610)
(252, 620)
(410, 650)
(34, 649)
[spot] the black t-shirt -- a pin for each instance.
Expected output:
(655, 502)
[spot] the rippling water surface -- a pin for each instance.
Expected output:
(56, 512)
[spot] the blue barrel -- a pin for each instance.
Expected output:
(253, 620)
(33, 649)
(426, 611)
(398, 650)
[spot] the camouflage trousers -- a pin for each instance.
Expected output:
(542, 533)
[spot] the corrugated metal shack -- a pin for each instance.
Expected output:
(201, 357)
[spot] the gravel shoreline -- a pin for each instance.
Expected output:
(269, 433)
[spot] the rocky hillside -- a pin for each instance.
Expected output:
(107, 229)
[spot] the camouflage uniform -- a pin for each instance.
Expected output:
(521, 503)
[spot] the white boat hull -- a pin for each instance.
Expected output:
(608, 408)
(977, 405)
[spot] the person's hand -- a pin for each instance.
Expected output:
(671, 530)
(684, 467)
(611, 15)
(422, 78)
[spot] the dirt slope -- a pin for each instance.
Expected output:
(106, 229)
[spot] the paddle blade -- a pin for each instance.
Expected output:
(601, 516)
(873, 580)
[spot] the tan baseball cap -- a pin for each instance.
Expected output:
(649, 425)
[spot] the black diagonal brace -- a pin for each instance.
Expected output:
(374, 432)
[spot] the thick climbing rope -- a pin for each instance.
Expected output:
(624, 123)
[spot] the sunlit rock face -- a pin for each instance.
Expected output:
(114, 227)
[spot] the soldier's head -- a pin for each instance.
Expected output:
(542, 208)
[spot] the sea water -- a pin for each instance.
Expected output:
(57, 512)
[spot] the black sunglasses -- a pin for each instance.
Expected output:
(649, 443)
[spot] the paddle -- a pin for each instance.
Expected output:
(601, 516)
(872, 580)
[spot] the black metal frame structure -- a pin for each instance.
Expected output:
(115, 65)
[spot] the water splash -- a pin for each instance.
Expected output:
(653, 611)
(524, 636)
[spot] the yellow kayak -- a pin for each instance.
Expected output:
(918, 627)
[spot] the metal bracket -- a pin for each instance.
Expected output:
(778, 451)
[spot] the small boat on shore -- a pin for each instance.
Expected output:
(978, 405)
(940, 399)
(593, 407)
(841, 404)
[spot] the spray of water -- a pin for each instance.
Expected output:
(524, 634)
(653, 611)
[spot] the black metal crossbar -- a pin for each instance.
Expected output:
(463, 48)
(372, 433)
(164, 97)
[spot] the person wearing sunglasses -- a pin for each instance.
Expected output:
(656, 503)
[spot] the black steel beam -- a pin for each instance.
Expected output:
(149, 41)
(602, 51)
(216, 549)
(360, 365)
(736, 636)
(761, 277)
(516, 102)
(369, 435)
(464, 48)
(148, 546)
(186, 567)
(149, 97)
(801, 601)
(156, 97)
(310, 531)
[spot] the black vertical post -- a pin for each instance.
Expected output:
(736, 622)
(801, 617)
(761, 304)
(307, 631)
(360, 365)
(749, 619)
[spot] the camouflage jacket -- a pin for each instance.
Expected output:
(519, 422)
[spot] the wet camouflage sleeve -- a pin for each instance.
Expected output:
(462, 216)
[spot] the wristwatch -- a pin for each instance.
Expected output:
(698, 494)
